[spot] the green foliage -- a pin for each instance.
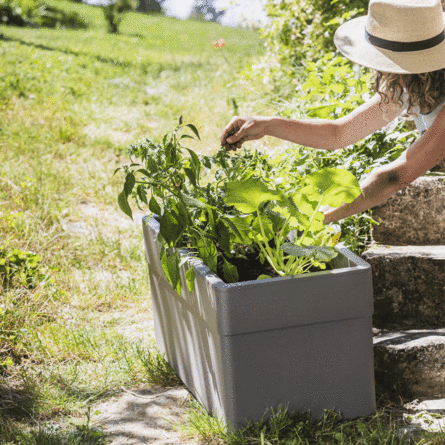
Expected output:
(19, 12)
(114, 12)
(37, 13)
(302, 30)
(334, 87)
(237, 211)
(19, 268)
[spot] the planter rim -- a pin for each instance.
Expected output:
(215, 281)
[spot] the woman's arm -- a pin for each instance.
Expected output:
(385, 181)
(381, 184)
(324, 134)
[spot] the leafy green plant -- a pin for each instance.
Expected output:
(299, 211)
(20, 268)
(235, 218)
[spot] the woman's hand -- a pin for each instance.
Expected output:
(242, 129)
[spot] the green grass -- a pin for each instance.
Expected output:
(70, 103)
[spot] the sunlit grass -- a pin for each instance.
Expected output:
(71, 101)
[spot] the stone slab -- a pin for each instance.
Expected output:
(415, 215)
(408, 286)
(411, 361)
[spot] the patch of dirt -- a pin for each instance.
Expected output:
(145, 416)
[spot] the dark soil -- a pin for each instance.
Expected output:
(252, 268)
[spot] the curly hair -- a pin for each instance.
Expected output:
(425, 90)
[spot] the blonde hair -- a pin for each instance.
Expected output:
(425, 90)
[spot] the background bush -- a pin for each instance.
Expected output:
(37, 13)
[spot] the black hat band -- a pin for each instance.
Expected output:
(403, 47)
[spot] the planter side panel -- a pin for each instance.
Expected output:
(190, 344)
(316, 367)
(278, 303)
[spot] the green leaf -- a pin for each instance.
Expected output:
(122, 200)
(151, 165)
(240, 225)
(115, 171)
(194, 160)
(144, 172)
(193, 128)
(142, 193)
(336, 185)
(190, 278)
(180, 120)
(193, 202)
(154, 206)
(170, 228)
(304, 205)
(230, 272)
(263, 277)
(207, 252)
(170, 265)
(222, 235)
(320, 253)
(186, 136)
(246, 196)
(240, 234)
(191, 175)
(130, 181)
(267, 227)
(297, 220)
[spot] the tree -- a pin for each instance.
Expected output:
(204, 9)
(149, 6)
(114, 12)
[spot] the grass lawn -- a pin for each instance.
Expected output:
(71, 101)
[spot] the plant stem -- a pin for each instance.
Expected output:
(310, 222)
(280, 253)
(266, 249)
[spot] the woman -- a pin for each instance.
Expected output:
(403, 41)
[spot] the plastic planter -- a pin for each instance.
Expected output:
(304, 342)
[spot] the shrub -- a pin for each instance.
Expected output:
(19, 268)
(304, 29)
(18, 12)
(36, 13)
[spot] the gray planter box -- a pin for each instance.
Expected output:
(304, 342)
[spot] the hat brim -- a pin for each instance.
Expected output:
(350, 41)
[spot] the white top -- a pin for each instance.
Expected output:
(423, 121)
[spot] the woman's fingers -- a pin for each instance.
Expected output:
(234, 125)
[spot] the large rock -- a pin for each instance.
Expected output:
(415, 215)
(413, 362)
(408, 286)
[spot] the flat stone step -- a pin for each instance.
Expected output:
(408, 286)
(414, 216)
(411, 361)
(420, 416)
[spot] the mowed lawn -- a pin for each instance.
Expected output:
(71, 101)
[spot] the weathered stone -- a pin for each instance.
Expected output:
(414, 216)
(412, 361)
(408, 286)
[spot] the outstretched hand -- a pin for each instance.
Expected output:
(242, 129)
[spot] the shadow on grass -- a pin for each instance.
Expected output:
(66, 51)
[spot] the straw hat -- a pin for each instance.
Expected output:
(397, 36)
